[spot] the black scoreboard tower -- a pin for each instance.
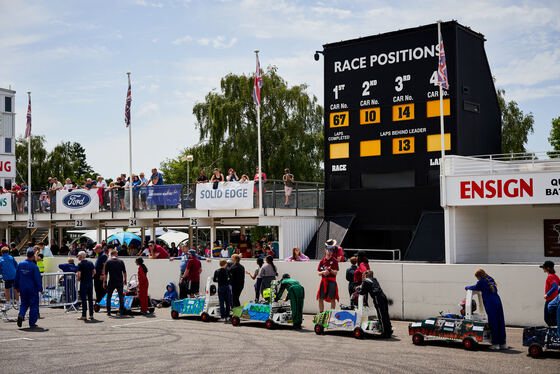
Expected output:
(382, 133)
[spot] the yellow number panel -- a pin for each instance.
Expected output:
(403, 145)
(370, 148)
(339, 119)
(403, 112)
(432, 108)
(339, 150)
(370, 115)
(434, 142)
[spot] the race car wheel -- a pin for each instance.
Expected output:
(417, 339)
(319, 329)
(269, 324)
(469, 344)
(535, 350)
(235, 321)
(205, 317)
(96, 308)
(358, 333)
(174, 314)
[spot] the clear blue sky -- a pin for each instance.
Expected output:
(73, 56)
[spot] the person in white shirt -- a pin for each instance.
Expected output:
(224, 253)
(46, 251)
(68, 184)
(143, 185)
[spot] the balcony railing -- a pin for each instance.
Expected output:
(305, 195)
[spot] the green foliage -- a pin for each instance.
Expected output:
(516, 126)
(66, 160)
(554, 138)
(291, 131)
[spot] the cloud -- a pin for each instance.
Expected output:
(217, 42)
(19, 40)
(184, 39)
(147, 109)
(148, 4)
(531, 70)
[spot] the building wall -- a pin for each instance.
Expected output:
(515, 233)
(471, 234)
(296, 232)
(416, 290)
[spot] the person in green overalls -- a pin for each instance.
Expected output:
(296, 294)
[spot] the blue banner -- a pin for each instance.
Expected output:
(167, 194)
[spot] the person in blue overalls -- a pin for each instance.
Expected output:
(493, 305)
(28, 282)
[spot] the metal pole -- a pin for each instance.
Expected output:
(259, 149)
(130, 162)
(29, 168)
(442, 130)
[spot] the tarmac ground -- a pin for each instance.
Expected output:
(160, 344)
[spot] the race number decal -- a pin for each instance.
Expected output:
(339, 119)
(403, 112)
(403, 145)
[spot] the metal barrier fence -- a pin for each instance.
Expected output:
(304, 195)
(60, 290)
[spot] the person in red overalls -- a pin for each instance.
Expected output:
(143, 284)
(328, 289)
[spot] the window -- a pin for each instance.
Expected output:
(7, 104)
(8, 184)
(388, 180)
(8, 145)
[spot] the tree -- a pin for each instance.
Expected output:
(554, 138)
(291, 131)
(39, 171)
(516, 126)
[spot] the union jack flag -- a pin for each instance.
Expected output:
(258, 84)
(127, 107)
(442, 67)
(28, 124)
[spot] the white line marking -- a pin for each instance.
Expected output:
(14, 339)
(140, 323)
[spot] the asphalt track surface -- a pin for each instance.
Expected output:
(159, 344)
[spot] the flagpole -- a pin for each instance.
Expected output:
(130, 162)
(442, 131)
(259, 147)
(29, 165)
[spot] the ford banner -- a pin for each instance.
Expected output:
(164, 195)
(227, 195)
(77, 201)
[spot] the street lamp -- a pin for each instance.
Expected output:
(188, 159)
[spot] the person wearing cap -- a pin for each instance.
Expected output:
(296, 294)
(550, 291)
(183, 283)
(28, 283)
(86, 271)
(327, 270)
(192, 274)
(232, 176)
(99, 272)
(337, 250)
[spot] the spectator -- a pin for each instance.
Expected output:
(119, 186)
(115, 279)
(173, 251)
(224, 253)
(124, 250)
(46, 251)
(101, 187)
(64, 250)
(350, 274)
(258, 252)
(244, 179)
(192, 274)
(69, 266)
(232, 176)
(143, 194)
(85, 274)
(136, 190)
(88, 185)
(8, 268)
(143, 285)
(256, 179)
(216, 178)
(255, 276)
(55, 186)
(551, 291)
(244, 247)
(156, 178)
(289, 183)
(19, 197)
(338, 251)
(13, 250)
(168, 297)
(268, 273)
(156, 250)
(44, 203)
(327, 270)
(202, 178)
(55, 249)
(363, 266)
(99, 272)
(222, 277)
(28, 283)
(74, 249)
(231, 249)
(67, 185)
(237, 273)
(183, 283)
(297, 256)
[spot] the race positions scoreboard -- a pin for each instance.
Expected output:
(382, 125)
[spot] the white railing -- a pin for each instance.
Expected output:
(510, 163)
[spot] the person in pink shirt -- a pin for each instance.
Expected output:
(256, 179)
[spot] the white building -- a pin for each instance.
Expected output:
(502, 209)
(7, 137)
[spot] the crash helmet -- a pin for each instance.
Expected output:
(132, 284)
(463, 305)
(266, 293)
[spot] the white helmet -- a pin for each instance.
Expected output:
(132, 284)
